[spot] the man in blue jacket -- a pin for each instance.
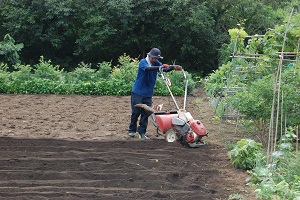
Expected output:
(143, 90)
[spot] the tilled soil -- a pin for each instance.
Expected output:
(77, 147)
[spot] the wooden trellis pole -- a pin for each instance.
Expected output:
(272, 137)
(297, 140)
(297, 127)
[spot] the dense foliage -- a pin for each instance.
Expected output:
(252, 75)
(245, 154)
(46, 78)
(281, 180)
(258, 81)
(9, 50)
(189, 32)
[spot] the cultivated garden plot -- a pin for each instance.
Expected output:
(77, 147)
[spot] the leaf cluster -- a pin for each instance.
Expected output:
(255, 77)
(245, 154)
(73, 31)
(280, 180)
(9, 51)
(46, 78)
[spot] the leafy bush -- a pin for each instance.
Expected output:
(281, 178)
(245, 154)
(177, 79)
(21, 73)
(45, 70)
(83, 72)
(9, 51)
(215, 81)
(126, 71)
(176, 87)
(104, 70)
(44, 78)
(245, 85)
(17, 78)
(4, 77)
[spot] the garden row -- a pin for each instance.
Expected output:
(45, 78)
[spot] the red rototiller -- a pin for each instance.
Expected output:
(177, 125)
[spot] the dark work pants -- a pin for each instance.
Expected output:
(136, 112)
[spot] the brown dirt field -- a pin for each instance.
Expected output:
(77, 147)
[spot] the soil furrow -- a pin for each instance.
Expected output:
(77, 147)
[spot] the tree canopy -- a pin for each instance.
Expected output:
(188, 32)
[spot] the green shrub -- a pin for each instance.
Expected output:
(126, 71)
(160, 88)
(45, 70)
(62, 88)
(4, 77)
(177, 79)
(21, 73)
(9, 51)
(33, 86)
(281, 178)
(104, 70)
(177, 84)
(245, 154)
(45, 78)
(83, 72)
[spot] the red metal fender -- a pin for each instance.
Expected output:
(165, 121)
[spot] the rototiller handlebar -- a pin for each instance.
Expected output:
(168, 83)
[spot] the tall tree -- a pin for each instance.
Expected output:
(188, 32)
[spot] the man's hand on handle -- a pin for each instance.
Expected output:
(177, 67)
(168, 68)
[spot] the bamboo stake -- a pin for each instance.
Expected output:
(250, 36)
(280, 76)
(281, 119)
(297, 58)
(285, 127)
(297, 128)
(248, 57)
(270, 144)
(271, 140)
(285, 53)
(289, 53)
(297, 140)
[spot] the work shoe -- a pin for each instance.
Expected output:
(144, 137)
(131, 134)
